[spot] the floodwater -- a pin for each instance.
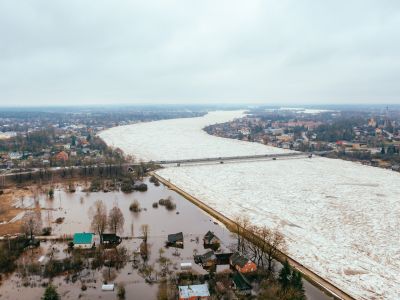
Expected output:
(74, 207)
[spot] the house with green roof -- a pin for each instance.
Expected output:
(83, 240)
(241, 284)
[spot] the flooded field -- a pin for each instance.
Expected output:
(74, 207)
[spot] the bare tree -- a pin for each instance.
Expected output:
(263, 245)
(132, 230)
(98, 214)
(260, 243)
(145, 232)
(32, 223)
(116, 220)
(161, 251)
(117, 256)
(274, 242)
(242, 224)
(254, 247)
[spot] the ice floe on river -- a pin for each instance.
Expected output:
(181, 139)
(340, 219)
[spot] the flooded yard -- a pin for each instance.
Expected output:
(74, 208)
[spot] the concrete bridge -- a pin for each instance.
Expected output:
(234, 158)
(130, 166)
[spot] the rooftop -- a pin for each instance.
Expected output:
(83, 238)
(111, 237)
(198, 290)
(175, 237)
(209, 236)
(210, 255)
(241, 282)
(239, 260)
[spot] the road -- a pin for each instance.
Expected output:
(231, 158)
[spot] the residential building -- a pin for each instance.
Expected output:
(111, 239)
(242, 263)
(207, 260)
(83, 240)
(241, 284)
(210, 239)
(62, 156)
(175, 239)
(194, 292)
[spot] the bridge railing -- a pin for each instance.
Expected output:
(177, 161)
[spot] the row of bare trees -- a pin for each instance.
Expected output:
(101, 221)
(260, 243)
(113, 221)
(263, 245)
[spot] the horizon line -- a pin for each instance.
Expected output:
(299, 105)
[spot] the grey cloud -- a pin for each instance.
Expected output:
(87, 52)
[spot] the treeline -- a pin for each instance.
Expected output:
(36, 141)
(31, 142)
(105, 171)
(20, 120)
(339, 130)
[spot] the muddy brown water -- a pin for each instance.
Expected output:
(74, 207)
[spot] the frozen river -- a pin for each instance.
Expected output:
(178, 139)
(340, 219)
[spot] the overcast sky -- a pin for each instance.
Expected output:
(276, 52)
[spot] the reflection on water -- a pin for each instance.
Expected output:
(74, 207)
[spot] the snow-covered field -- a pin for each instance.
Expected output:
(340, 219)
(181, 139)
